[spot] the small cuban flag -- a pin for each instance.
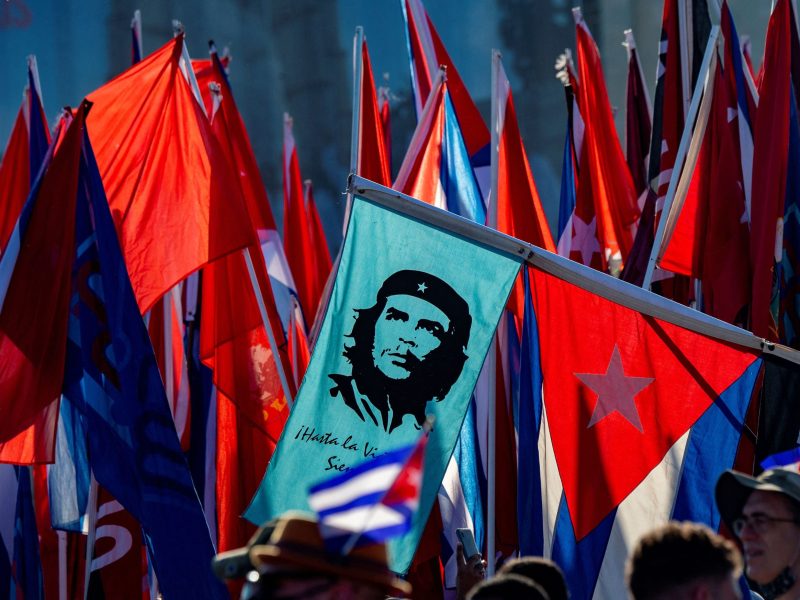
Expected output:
(373, 501)
(789, 459)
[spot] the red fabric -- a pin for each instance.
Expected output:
(373, 161)
(321, 253)
(422, 70)
(476, 134)
(422, 179)
(299, 354)
(231, 133)
(166, 178)
(770, 157)
(243, 453)
(48, 538)
(519, 208)
(117, 532)
(580, 333)
(297, 241)
(386, 123)
(711, 239)
(506, 534)
(206, 72)
(15, 179)
(637, 124)
(604, 175)
(33, 321)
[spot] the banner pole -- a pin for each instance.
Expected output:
(273, 344)
(686, 137)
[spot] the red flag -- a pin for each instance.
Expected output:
(299, 354)
(117, 567)
(519, 209)
(604, 175)
(15, 179)
(711, 240)
(770, 159)
(321, 253)
(35, 275)
(419, 175)
(386, 122)
(207, 71)
(166, 178)
(373, 161)
(428, 53)
(297, 240)
(637, 118)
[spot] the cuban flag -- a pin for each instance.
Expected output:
(637, 405)
(373, 501)
(788, 459)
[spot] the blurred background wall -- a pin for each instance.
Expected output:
(295, 56)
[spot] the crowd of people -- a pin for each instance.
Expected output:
(287, 558)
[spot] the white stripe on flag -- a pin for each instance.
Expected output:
(365, 518)
(648, 506)
(552, 488)
(369, 482)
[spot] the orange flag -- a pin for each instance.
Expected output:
(166, 178)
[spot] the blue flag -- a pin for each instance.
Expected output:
(133, 448)
(411, 315)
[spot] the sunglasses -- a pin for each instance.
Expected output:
(760, 523)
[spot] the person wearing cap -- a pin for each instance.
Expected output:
(294, 563)
(408, 349)
(764, 514)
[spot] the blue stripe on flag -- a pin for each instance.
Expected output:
(720, 428)
(529, 484)
(27, 564)
(458, 179)
(566, 205)
(470, 473)
(580, 561)
(788, 270)
(781, 459)
(134, 449)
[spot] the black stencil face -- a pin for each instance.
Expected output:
(407, 349)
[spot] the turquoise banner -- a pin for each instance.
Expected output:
(411, 316)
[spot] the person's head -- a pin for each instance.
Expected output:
(684, 561)
(507, 587)
(542, 571)
(764, 514)
(294, 563)
(412, 342)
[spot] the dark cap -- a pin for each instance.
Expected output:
(435, 291)
(733, 489)
(236, 564)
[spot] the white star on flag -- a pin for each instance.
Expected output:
(615, 392)
(584, 239)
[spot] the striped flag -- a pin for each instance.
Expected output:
(373, 501)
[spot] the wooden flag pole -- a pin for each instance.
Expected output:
(686, 137)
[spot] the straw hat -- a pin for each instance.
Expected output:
(296, 545)
(235, 564)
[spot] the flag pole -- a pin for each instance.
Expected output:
(355, 126)
(62, 564)
(686, 137)
(491, 357)
(91, 517)
(273, 344)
